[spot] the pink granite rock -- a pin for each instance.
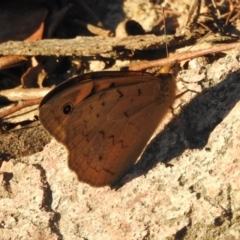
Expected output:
(194, 194)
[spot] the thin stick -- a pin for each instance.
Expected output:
(17, 94)
(19, 105)
(85, 7)
(165, 32)
(182, 57)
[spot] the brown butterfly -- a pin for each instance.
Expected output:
(105, 120)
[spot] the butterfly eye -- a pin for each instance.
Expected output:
(67, 108)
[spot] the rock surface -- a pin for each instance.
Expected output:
(186, 185)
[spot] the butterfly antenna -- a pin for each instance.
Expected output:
(165, 32)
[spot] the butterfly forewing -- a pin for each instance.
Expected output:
(110, 121)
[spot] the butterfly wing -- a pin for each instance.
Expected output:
(108, 124)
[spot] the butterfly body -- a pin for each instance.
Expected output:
(105, 120)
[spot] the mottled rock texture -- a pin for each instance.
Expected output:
(186, 185)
